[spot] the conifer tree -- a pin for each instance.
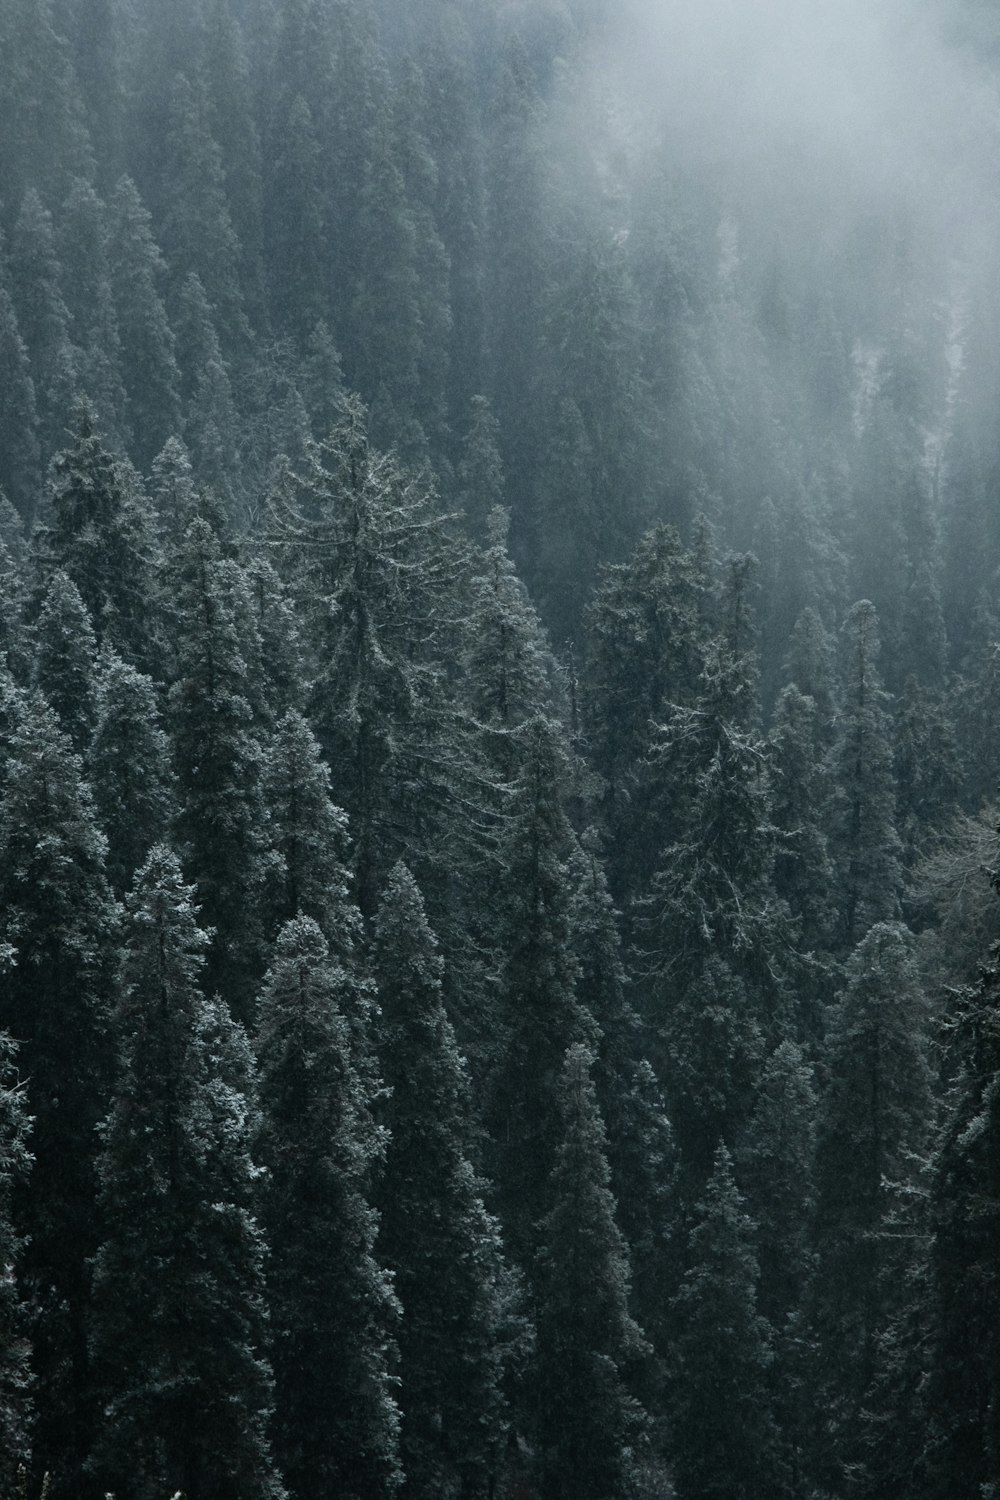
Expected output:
(589, 1425)
(15, 1367)
(66, 660)
(148, 364)
(43, 318)
(61, 921)
(179, 1322)
(875, 1119)
(99, 531)
(378, 568)
(963, 1389)
(800, 804)
(725, 1444)
(437, 1237)
(222, 820)
(129, 765)
(865, 844)
(20, 475)
(86, 281)
(541, 1015)
(333, 1309)
(210, 425)
(197, 231)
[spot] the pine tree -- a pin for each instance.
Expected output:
(725, 1444)
(60, 918)
(129, 765)
(332, 1306)
(589, 1425)
(437, 1237)
(15, 1368)
(179, 1319)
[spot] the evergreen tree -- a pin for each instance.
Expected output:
(86, 282)
(874, 1125)
(98, 529)
(148, 365)
(725, 1444)
(129, 764)
(179, 1316)
(20, 476)
(332, 1305)
(61, 921)
(378, 570)
(541, 1015)
(588, 1423)
(66, 660)
(222, 820)
(437, 1237)
(15, 1367)
(865, 844)
(43, 318)
(197, 232)
(210, 425)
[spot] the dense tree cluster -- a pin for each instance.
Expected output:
(498, 703)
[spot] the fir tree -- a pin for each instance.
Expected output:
(43, 318)
(179, 1318)
(332, 1304)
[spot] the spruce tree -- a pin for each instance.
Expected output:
(437, 1237)
(589, 1425)
(179, 1321)
(333, 1309)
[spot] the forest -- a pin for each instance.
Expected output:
(499, 754)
